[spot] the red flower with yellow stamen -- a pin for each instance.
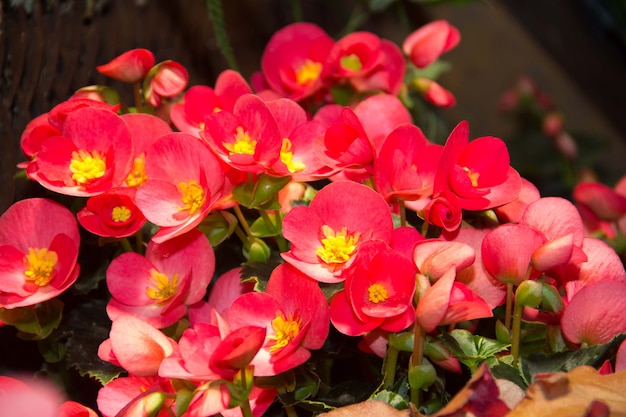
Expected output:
(37, 253)
(93, 154)
(184, 181)
(294, 59)
(160, 286)
(112, 214)
(326, 235)
(295, 313)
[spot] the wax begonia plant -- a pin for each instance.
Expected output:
(295, 243)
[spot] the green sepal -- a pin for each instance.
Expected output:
(218, 226)
(551, 299)
(529, 294)
(34, 322)
(423, 375)
(260, 193)
(257, 251)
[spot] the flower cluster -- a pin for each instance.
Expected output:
(352, 222)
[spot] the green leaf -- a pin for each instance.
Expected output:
(34, 322)
(87, 327)
(501, 369)
(306, 386)
(566, 361)
(472, 349)
(395, 400)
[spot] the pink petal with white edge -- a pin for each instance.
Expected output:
(435, 257)
(554, 217)
(554, 253)
(603, 263)
(433, 304)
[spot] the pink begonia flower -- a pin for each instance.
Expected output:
(27, 397)
(559, 221)
(512, 212)
(478, 172)
(74, 409)
(166, 79)
(427, 43)
(247, 139)
(603, 264)
(213, 398)
(298, 158)
(128, 395)
(507, 251)
(448, 302)
(136, 346)
(326, 235)
(184, 181)
(379, 288)
(595, 314)
(160, 286)
(93, 153)
(295, 313)
(620, 359)
(475, 276)
(404, 239)
(37, 253)
(406, 164)
(227, 288)
(388, 75)
(112, 214)
(434, 93)
(379, 115)
(200, 101)
(129, 67)
(434, 257)
(145, 129)
(601, 199)
(294, 58)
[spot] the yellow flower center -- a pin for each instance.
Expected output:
(337, 247)
(286, 329)
(137, 175)
(163, 287)
(120, 214)
(192, 196)
(243, 145)
(377, 293)
(87, 166)
(473, 176)
(286, 157)
(40, 265)
(351, 62)
(308, 73)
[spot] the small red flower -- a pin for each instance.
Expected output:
(129, 67)
(166, 79)
(427, 43)
(112, 214)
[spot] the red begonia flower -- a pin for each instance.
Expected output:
(74, 409)
(294, 58)
(379, 115)
(295, 313)
(200, 101)
(406, 164)
(601, 199)
(184, 182)
(354, 55)
(595, 314)
(37, 253)
(160, 286)
(166, 79)
(434, 93)
(298, 158)
(427, 43)
(129, 67)
(93, 154)
(478, 172)
(444, 210)
(112, 214)
(379, 289)
(116, 396)
(326, 235)
(388, 75)
(247, 139)
(512, 212)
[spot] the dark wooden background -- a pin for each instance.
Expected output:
(50, 48)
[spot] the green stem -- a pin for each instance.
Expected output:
(137, 94)
(516, 332)
(243, 222)
(291, 412)
(389, 365)
(266, 218)
(242, 236)
(246, 410)
(419, 336)
(126, 245)
(509, 305)
(139, 241)
(402, 209)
